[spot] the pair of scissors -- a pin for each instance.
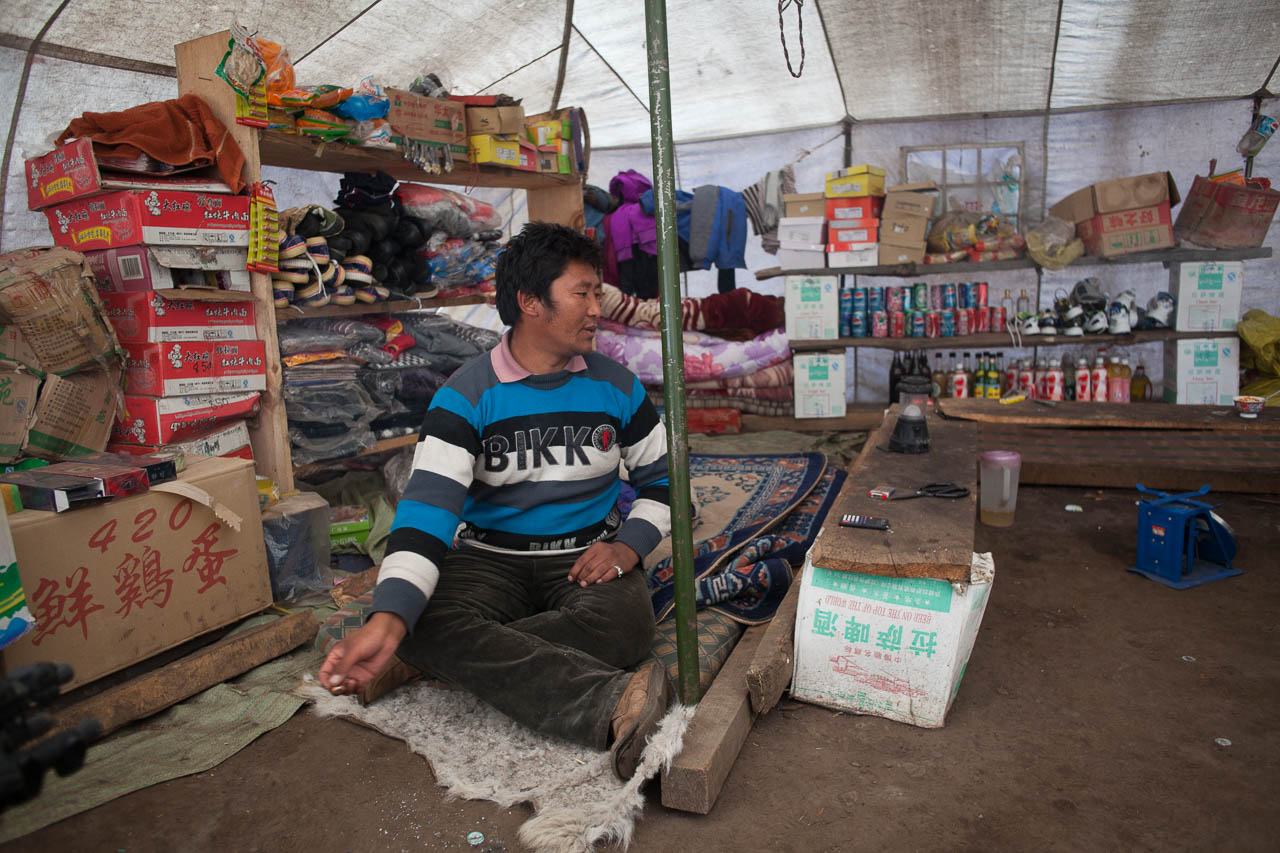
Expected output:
(935, 490)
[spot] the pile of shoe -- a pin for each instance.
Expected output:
(379, 232)
(1088, 310)
(315, 268)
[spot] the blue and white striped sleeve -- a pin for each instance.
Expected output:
(643, 443)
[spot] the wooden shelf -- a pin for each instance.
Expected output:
(381, 447)
(294, 312)
(965, 268)
(299, 152)
(1003, 341)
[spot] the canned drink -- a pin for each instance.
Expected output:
(875, 299)
(995, 318)
(947, 323)
(907, 299)
(859, 300)
(920, 296)
(858, 325)
(949, 297)
(846, 312)
(932, 324)
(981, 321)
(897, 324)
(879, 323)
(935, 297)
(917, 324)
(964, 322)
(894, 299)
(979, 294)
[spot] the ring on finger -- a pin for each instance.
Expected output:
(617, 569)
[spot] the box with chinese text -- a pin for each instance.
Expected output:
(113, 584)
(199, 367)
(1207, 294)
(812, 307)
(155, 217)
(159, 420)
(1202, 371)
(819, 384)
(163, 316)
(892, 647)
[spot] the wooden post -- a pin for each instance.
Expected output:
(196, 62)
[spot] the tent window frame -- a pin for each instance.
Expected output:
(944, 185)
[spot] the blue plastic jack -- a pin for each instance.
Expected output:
(1181, 542)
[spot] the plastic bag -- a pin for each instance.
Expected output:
(279, 70)
(396, 471)
(332, 402)
(296, 531)
(373, 133)
(306, 450)
(1053, 243)
(439, 207)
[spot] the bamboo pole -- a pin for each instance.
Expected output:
(655, 14)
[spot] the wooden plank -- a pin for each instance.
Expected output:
(859, 418)
(930, 537)
(297, 312)
(1168, 460)
(151, 693)
(1001, 340)
(771, 665)
(715, 735)
(268, 432)
(1105, 416)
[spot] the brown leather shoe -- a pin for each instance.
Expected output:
(396, 673)
(637, 715)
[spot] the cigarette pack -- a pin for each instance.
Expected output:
(160, 467)
(117, 482)
(53, 492)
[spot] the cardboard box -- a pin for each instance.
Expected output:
(51, 298)
(858, 180)
(131, 268)
(1208, 295)
(853, 254)
(427, 120)
(548, 158)
(900, 203)
(18, 390)
(1117, 195)
(158, 420)
(819, 384)
(501, 150)
(546, 131)
(866, 207)
(812, 306)
(854, 231)
(802, 256)
(200, 367)
(891, 647)
(1125, 231)
(1225, 216)
(810, 230)
(16, 353)
(164, 316)
(804, 204)
(230, 441)
(904, 230)
(74, 414)
(155, 217)
(49, 491)
(116, 583)
(1202, 371)
(890, 255)
(482, 120)
(71, 171)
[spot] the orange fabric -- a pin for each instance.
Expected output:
(181, 132)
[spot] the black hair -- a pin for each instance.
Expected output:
(536, 257)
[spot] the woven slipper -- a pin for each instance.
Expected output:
(318, 249)
(358, 263)
(292, 247)
(292, 276)
(281, 290)
(303, 263)
(329, 275)
(344, 295)
(319, 300)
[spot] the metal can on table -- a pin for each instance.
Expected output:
(908, 299)
(935, 297)
(894, 299)
(947, 323)
(858, 325)
(917, 324)
(949, 297)
(964, 295)
(932, 324)
(875, 299)
(897, 324)
(859, 300)
(979, 294)
(964, 321)
(879, 323)
(981, 320)
(920, 296)
(995, 318)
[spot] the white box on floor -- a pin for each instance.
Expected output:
(1202, 371)
(1208, 295)
(812, 307)
(802, 256)
(810, 230)
(891, 647)
(819, 384)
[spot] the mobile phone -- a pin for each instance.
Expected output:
(866, 521)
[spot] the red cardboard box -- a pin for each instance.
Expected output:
(155, 217)
(862, 207)
(200, 367)
(70, 171)
(164, 316)
(1225, 216)
(853, 231)
(230, 441)
(1125, 231)
(157, 420)
(131, 268)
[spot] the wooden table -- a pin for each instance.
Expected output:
(1149, 416)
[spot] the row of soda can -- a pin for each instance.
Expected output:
(918, 311)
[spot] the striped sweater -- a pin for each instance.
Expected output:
(516, 462)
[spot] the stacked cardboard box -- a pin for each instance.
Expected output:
(1123, 215)
(854, 197)
(904, 223)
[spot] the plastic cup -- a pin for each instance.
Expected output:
(998, 487)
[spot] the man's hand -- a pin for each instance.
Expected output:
(603, 562)
(354, 662)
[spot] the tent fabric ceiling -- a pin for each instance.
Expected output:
(868, 60)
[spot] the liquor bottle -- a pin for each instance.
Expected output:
(895, 376)
(993, 376)
(979, 386)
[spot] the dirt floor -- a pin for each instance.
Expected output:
(1100, 711)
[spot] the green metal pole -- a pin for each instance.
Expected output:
(655, 15)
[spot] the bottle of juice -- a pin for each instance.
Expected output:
(1011, 375)
(1098, 381)
(1119, 391)
(1114, 380)
(959, 382)
(939, 380)
(993, 376)
(1140, 385)
(1054, 381)
(1037, 374)
(1027, 379)
(1083, 380)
